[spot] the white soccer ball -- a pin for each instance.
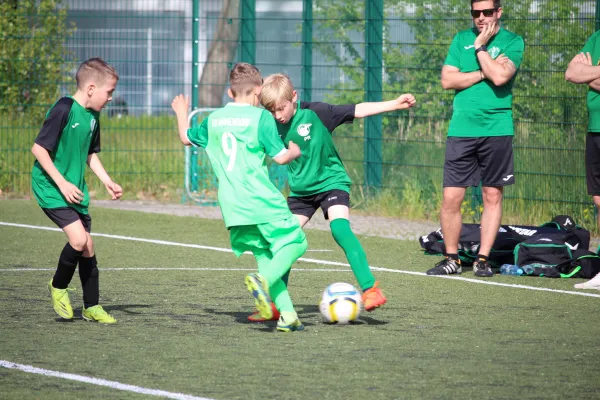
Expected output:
(341, 303)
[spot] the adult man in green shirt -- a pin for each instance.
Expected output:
(585, 68)
(480, 66)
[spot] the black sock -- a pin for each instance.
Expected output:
(88, 273)
(453, 257)
(67, 263)
(481, 257)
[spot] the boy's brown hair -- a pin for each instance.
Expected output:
(243, 79)
(276, 88)
(95, 70)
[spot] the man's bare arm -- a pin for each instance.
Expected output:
(452, 78)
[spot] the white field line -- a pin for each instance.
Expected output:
(312, 261)
(177, 269)
(99, 382)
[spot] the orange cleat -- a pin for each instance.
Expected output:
(255, 316)
(373, 298)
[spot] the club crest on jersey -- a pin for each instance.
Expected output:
(304, 131)
(92, 126)
(494, 52)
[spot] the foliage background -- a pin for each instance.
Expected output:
(142, 152)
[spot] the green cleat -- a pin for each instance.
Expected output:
(60, 301)
(97, 314)
(257, 285)
(295, 325)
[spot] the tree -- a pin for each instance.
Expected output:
(550, 113)
(553, 32)
(215, 73)
(32, 54)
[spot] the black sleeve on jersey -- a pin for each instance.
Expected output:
(54, 124)
(95, 143)
(331, 116)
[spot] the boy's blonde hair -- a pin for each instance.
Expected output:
(95, 70)
(275, 89)
(243, 79)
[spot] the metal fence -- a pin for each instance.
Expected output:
(333, 50)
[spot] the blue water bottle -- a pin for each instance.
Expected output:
(510, 269)
(528, 269)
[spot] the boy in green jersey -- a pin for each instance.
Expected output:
(237, 138)
(584, 68)
(318, 178)
(70, 139)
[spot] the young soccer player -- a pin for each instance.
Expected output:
(236, 138)
(70, 138)
(318, 179)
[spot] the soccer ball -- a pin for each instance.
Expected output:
(340, 303)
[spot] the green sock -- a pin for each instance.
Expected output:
(289, 316)
(281, 297)
(286, 277)
(263, 259)
(343, 235)
(273, 269)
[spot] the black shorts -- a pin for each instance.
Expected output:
(308, 205)
(592, 163)
(485, 160)
(64, 216)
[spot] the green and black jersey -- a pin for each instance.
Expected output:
(320, 168)
(70, 133)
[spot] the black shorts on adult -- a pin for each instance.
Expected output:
(485, 160)
(592, 163)
(308, 205)
(64, 216)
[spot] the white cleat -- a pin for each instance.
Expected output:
(593, 283)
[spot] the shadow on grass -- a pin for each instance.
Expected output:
(305, 311)
(239, 316)
(126, 308)
(62, 320)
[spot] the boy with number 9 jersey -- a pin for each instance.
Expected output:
(236, 138)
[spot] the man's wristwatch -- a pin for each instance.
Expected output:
(480, 48)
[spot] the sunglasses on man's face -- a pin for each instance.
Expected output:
(486, 13)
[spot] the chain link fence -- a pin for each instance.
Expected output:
(335, 51)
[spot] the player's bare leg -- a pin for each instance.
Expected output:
(451, 222)
(302, 220)
(490, 223)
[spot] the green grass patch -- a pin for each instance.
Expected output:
(186, 331)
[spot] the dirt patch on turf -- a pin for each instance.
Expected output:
(394, 228)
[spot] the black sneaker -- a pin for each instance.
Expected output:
(482, 269)
(446, 267)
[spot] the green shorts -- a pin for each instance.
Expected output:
(271, 236)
